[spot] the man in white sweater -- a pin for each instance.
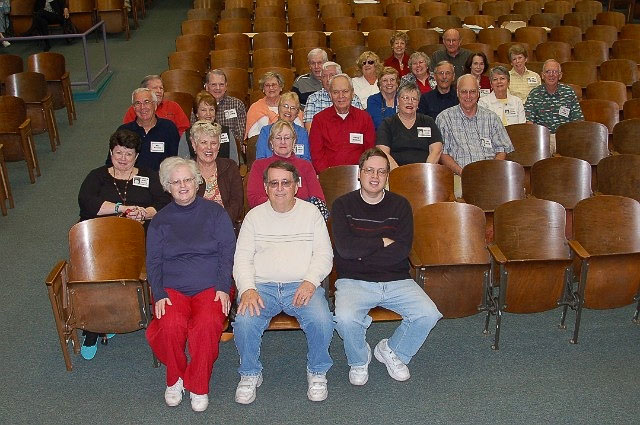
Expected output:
(282, 255)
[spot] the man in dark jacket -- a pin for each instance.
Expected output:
(46, 12)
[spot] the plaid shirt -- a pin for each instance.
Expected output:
(237, 123)
(553, 109)
(473, 139)
(321, 100)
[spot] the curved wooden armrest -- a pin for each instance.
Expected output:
(25, 124)
(57, 272)
(143, 273)
(496, 254)
(579, 249)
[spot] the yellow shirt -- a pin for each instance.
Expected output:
(521, 85)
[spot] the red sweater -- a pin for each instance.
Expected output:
(336, 141)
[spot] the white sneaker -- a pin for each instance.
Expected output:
(318, 390)
(359, 375)
(6, 44)
(173, 394)
(246, 391)
(199, 403)
(397, 370)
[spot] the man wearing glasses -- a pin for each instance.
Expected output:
(311, 82)
(372, 233)
(452, 51)
(282, 255)
(436, 101)
(552, 103)
(341, 132)
(159, 136)
(471, 133)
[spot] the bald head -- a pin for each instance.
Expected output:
(468, 94)
(451, 41)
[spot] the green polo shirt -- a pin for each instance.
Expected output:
(553, 109)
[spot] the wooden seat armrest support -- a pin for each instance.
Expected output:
(25, 124)
(414, 259)
(578, 249)
(496, 254)
(58, 272)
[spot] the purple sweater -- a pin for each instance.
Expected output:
(190, 249)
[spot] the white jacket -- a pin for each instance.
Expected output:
(513, 110)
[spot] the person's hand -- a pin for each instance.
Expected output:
(250, 300)
(387, 241)
(160, 306)
(225, 301)
(65, 13)
(303, 294)
(135, 213)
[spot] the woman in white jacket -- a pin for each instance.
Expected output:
(508, 107)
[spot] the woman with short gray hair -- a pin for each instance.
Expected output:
(419, 64)
(507, 106)
(265, 111)
(190, 248)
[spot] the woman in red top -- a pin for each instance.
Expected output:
(477, 65)
(399, 60)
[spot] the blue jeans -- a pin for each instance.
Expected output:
(315, 320)
(354, 299)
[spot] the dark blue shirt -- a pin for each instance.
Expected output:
(378, 109)
(159, 143)
(434, 102)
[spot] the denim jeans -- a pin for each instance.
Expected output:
(315, 320)
(354, 299)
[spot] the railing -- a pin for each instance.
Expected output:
(90, 81)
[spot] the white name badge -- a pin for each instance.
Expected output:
(356, 138)
(298, 150)
(510, 112)
(564, 111)
(484, 92)
(532, 81)
(230, 113)
(224, 138)
(157, 147)
(141, 181)
(424, 131)
(300, 181)
(486, 143)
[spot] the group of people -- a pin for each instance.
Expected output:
(179, 177)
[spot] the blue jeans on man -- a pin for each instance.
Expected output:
(315, 320)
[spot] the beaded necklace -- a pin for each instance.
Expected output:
(126, 186)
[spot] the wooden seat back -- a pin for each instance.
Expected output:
(422, 183)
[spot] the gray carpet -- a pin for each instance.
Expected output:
(536, 377)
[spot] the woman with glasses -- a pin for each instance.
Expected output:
(366, 84)
(120, 189)
(205, 108)
(221, 181)
(507, 106)
(288, 110)
(382, 105)
(409, 137)
(265, 110)
(282, 140)
(419, 64)
(190, 248)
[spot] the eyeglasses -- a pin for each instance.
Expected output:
(552, 72)
(370, 171)
(281, 138)
(271, 85)
(182, 182)
(443, 73)
(472, 92)
(289, 107)
(138, 103)
(369, 62)
(411, 99)
(286, 184)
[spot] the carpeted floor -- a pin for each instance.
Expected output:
(536, 377)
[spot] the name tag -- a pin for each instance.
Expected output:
(141, 181)
(157, 147)
(532, 81)
(224, 138)
(356, 138)
(486, 143)
(230, 113)
(484, 92)
(300, 181)
(564, 111)
(424, 131)
(298, 150)
(510, 112)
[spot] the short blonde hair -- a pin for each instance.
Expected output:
(399, 35)
(387, 70)
(205, 96)
(291, 96)
(170, 164)
(268, 75)
(277, 127)
(366, 55)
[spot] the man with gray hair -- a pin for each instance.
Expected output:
(452, 51)
(441, 97)
(471, 133)
(159, 137)
(167, 109)
(341, 132)
(230, 111)
(309, 83)
(552, 103)
(321, 99)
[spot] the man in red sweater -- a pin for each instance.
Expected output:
(167, 109)
(340, 134)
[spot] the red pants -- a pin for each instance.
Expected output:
(197, 319)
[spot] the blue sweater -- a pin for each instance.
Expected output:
(190, 249)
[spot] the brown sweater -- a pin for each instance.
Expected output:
(230, 184)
